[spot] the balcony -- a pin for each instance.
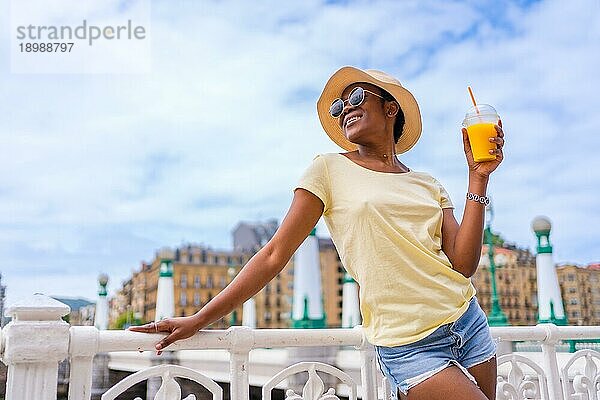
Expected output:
(37, 339)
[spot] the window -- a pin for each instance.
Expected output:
(196, 299)
(183, 281)
(572, 290)
(216, 259)
(574, 301)
(183, 299)
(209, 282)
(223, 281)
(190, 258)
(571, 277)
(203, 256)
(196, 281)
(229, 260)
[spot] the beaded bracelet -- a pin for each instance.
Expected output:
(479, 199)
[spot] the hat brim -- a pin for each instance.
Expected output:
(346, 76)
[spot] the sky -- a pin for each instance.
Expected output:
(101, 170)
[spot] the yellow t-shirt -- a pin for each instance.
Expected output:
(387, 228)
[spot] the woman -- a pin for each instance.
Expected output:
(396, 234)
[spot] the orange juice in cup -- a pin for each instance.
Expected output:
(480, 121)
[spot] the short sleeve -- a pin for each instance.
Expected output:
(445, 201)
(315, 179)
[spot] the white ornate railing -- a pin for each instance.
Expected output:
(169, 388)
(37, 339)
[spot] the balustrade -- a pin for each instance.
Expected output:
(37, 339)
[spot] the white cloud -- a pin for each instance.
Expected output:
(106, 168)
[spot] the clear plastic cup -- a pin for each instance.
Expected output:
(480, 123)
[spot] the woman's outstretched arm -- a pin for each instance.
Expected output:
(462, 243)
(303, 215)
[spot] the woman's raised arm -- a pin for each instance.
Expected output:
(462, 243)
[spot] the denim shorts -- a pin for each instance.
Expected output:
(464, 343)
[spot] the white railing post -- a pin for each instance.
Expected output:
(550, 361)
(242, 341)
(368, 369)
(82, 348)
(34, 342)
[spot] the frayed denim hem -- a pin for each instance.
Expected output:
(412, 382)
(482, 360)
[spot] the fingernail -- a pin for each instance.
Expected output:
(158, 347)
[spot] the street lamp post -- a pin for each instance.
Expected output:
(496, 316)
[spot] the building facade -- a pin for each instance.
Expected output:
(332, 278)
(516, 283)
(580, 289)
(200, 273)
(252, 236)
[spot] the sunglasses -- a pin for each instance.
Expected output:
(355, 98)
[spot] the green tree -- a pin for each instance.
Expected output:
(125, 320)
(497, 240)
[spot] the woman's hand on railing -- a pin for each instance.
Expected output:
(177, 328)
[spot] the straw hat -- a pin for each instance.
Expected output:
(349, 75)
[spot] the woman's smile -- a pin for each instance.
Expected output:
(351, 119)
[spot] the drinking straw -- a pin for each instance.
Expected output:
(473, 99)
